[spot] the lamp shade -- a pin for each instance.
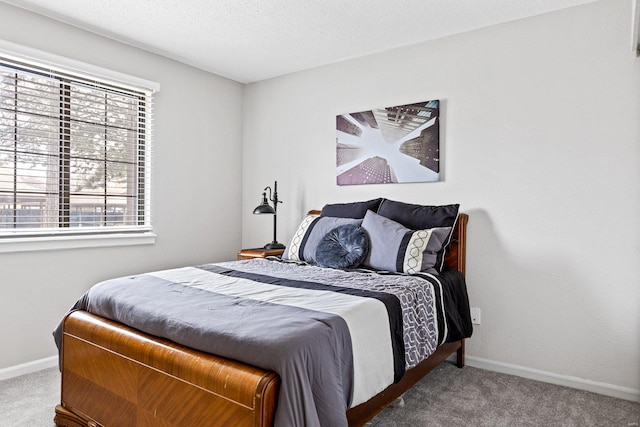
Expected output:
(264, 208)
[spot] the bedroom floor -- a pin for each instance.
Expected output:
(448, 396)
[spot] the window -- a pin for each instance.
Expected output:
(74, 153)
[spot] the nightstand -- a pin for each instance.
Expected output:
(258, 253)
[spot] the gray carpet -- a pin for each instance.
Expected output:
(452, 397)
(30, 400)
(448, 396)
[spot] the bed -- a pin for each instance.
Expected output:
(118, 373)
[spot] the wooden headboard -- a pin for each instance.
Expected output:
(456, 254)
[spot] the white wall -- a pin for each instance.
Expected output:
(195, 190)
(540, 137)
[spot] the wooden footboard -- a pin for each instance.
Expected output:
(115, 376)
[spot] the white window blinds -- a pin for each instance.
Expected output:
(74, 153)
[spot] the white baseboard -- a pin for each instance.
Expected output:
(28, 368)
(476, 362)
(549, 377)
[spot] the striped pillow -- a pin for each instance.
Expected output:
(396, 248)
(303, 244)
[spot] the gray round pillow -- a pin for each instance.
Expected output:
(345, 246)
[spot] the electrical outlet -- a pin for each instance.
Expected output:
(475, 316)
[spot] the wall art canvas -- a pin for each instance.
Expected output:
(389, 145)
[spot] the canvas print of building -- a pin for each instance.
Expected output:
(389, 145)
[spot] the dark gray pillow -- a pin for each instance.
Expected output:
(351, 210)
(419, 217)
(345, 246)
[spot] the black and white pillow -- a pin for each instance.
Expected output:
(303, 244)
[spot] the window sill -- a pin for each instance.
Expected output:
(25, 244)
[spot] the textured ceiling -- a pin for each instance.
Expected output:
(252, 40)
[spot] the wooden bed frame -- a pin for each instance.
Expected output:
(116, 376)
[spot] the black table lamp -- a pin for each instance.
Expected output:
(266, 208)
